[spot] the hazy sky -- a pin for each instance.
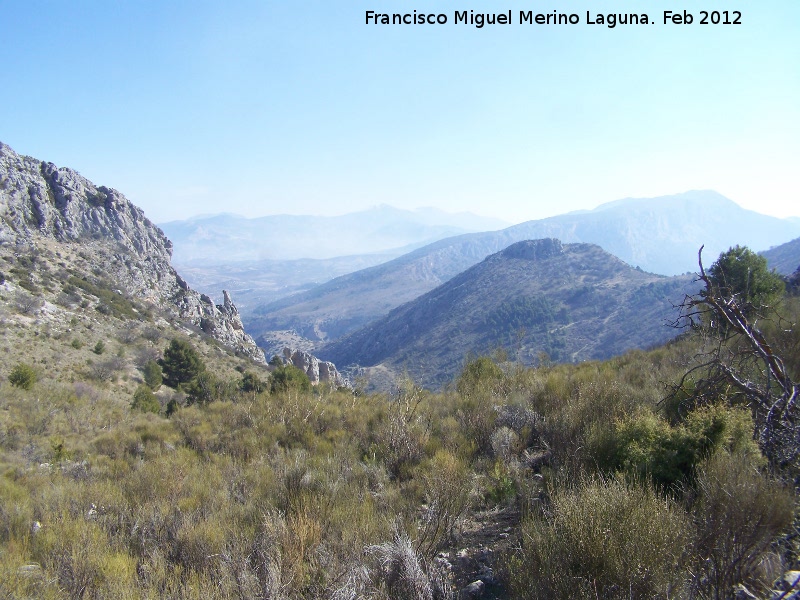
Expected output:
(266, 107)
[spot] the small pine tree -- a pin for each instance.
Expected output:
(251, 383)
(22, 376)
(172, 407)
(99, 347)
(742, 273)
(181, 364)
(153, 376)
(145, 400)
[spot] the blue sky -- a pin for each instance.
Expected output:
(299, 107)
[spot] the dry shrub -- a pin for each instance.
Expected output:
(404, 432)
(403, 575)
(16, 511)
(739, 512)
(79, 556)
(603, 538)
(446, 484)
(572, 403)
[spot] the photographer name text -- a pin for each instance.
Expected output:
(529, 17)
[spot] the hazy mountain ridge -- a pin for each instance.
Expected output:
(227, 238)
(103, 240)
(660, 235)
(572, 301)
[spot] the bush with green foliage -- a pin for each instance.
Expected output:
(153, 376)
(207, 387)
(144, 400)
(481, 374)
(647, 447)
(181, 363)
(23, 376)
(250, 382)
(288, 377)
(99, 347)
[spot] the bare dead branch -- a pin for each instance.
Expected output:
(744, 360)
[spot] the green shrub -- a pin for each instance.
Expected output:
(77, 344)
(480, 374)
(152, 374)
(647, 447)
(99, 347)
(287, 378)
(251, 383)
(181, 363)
(23, 376)
(145, 400)
(206, 387)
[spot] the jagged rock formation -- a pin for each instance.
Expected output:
(41, 204)
(318, 371)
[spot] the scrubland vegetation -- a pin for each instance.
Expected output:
(179, 476)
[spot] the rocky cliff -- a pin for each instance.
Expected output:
(318, 371)
(44, 205)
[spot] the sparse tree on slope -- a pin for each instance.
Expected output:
(181, 364)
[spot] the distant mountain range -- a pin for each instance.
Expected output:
(226, 238)
(660, 235)
(572, 301)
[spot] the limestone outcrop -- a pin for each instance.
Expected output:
(318, 371)
(41, 203)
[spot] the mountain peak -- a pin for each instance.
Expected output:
(534, 249)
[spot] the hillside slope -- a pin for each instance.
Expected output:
(784, 258)
(573, 301)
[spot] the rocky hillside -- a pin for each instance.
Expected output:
(659, 235)
(58, 229)
(571, 301)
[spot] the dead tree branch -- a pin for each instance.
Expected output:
(743, 359)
